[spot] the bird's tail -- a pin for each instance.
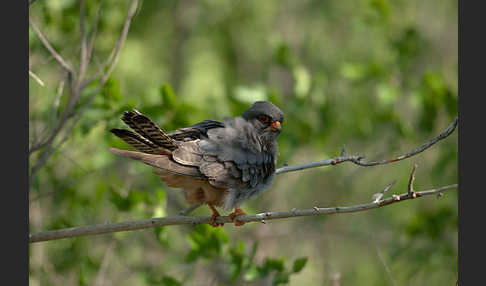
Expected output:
(148, 136)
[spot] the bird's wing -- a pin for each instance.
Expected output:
(224, 155)
(225, 160)
(196, 131)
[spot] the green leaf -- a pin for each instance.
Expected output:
(170, 281)
(160, 195)
(252, 254)
(299, 264)
(281, 278)
(111, 92)
(237, 258)
(284, 56)
(169, 99)
(274, 264)
(206, 242)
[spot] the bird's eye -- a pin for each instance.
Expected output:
(264, 118)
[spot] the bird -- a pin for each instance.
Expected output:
(217, 163)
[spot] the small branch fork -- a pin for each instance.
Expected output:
(357, 159)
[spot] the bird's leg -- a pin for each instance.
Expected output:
(236, 213)
(213, 222)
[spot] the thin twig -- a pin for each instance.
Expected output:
(377, 197)
(357, 159)
(48, 46)
(410, 181)
(100, 277)
(93, 36)
(112, 58)
(48, 151)
(84, 48)
(188, 210)
(36, 78)
(387, 269)
(179, 220)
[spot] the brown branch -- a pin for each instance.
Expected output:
(261, 217)
(357, 159)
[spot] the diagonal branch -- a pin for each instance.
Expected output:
(36, 78)
(48, 46)
(357, 159)
(110, 62)
(261, 217)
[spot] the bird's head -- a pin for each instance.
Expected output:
(266, 118)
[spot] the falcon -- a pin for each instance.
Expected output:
(221, 164)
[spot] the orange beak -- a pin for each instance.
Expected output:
(276, 126)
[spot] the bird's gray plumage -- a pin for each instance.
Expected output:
(238, 154)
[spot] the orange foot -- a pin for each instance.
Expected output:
(213, 222)
(236, 213)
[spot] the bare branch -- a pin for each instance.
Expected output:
(36, 78)
(410, 181)
(113, 57)
(76, 90)
(48, 46)
(46, 154)
(93, 36)
(377, 197)
(382, 259)
(179, 220)
(190, 209)
(356, 159)
(84, 49)
(100, 277)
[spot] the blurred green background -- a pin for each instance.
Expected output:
(377, 75)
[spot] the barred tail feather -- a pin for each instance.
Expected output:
(139, 142)
(148, 129)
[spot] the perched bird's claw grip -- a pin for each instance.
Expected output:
(236, 213)
(212, 221)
